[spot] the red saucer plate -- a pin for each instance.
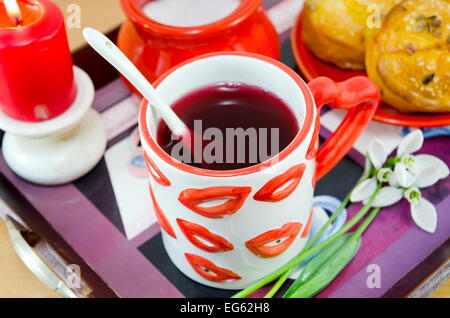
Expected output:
(312, 67)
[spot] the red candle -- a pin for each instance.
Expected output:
(36, 70)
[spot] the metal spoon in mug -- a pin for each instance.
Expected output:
(110, 52)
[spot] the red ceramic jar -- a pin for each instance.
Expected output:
(155, 48)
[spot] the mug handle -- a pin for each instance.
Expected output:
(360, 97)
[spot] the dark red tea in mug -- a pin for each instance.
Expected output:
(240, 125)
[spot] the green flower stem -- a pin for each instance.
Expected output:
(366, 223)
(285, 276)
(330, 220)
(306, 254)
(366, 174)
(279, 283)
(392, 162)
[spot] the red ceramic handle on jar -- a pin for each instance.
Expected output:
(360, 98)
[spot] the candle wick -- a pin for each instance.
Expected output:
(18, 21)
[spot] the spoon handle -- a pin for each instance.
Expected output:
(110, 52)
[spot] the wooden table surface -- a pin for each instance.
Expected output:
(443, 291)
(15, 278)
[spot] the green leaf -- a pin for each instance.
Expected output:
(324, 267)
(318, 261)
(313, 266)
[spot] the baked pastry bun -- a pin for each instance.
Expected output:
(409, 57)
(334, 29)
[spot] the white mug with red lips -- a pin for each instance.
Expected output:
(227, 229)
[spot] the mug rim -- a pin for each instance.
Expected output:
(245, 9)
(298, 140)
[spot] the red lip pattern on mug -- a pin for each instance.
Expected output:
(261, 245)
(314, 179)
(314, 145)
(154, 171)
(210, 271)
(271, 192)
(234, 196)
(194, 231)
(162, 219)
(308, 225)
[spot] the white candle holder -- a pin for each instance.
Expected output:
(59, 150)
